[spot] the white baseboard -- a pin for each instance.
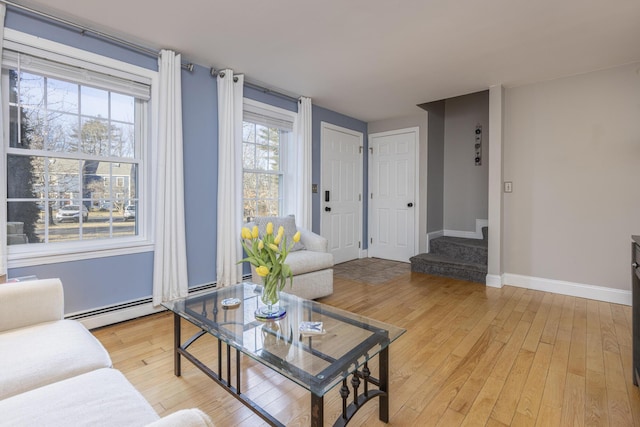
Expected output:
(364, 253)
(494, 281)
(459, 233)
(600, 293)
(433, 235)
(480, 223)
(120, 315)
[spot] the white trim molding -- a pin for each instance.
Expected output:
(57, 255)
(469, 234)
(38, 46)
(600, 293)
(494, 281)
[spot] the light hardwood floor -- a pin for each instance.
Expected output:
(472, 355)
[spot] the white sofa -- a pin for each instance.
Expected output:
(54, 372)
(312, 266)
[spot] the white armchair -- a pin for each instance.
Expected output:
(312, 266)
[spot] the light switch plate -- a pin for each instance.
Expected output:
(508, 186)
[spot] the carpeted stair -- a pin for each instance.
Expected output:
(455, 257)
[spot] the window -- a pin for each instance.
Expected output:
(75, 141)
(266, 143)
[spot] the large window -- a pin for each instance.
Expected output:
(75, 141)
(266, 143)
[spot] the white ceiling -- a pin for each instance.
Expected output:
(374, 59)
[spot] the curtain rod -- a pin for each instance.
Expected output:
(215, 73)
(270, 91)
(99, 34)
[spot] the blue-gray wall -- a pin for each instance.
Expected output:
(101, 282)
(200, 139)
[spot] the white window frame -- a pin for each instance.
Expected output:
(287, 152)
(39, 254)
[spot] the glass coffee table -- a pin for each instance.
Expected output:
(318, 363)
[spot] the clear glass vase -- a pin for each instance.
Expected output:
(271, 308)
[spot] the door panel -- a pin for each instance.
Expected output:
(342, 177)
(392, 184)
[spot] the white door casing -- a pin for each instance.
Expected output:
(341, 191)
(393, 199)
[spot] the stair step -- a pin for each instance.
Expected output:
(470, 250)
(442, 265)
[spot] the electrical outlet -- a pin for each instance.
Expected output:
(508, 186)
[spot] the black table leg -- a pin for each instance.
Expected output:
(383, 413)
(317, 410)
(176, 345)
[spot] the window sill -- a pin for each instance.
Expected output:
(59, 253)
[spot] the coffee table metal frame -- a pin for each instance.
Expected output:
(354, 363)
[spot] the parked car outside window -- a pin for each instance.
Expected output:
(129, 212)
(106, 206)
(72, 213)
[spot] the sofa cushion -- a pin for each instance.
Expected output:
(99, 398)
(289, 224)
(302, 262)
(31, 302)
(34, 356)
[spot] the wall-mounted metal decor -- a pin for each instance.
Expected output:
(478, 145)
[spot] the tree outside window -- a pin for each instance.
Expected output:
(262, 172)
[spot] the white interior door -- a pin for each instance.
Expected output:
(392, 194)
(341, 191)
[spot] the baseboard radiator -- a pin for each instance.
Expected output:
(129, 310)
(109, 309)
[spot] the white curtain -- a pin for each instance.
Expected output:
(3, 172)
(303, 163)
(229, 250)
(170, 279)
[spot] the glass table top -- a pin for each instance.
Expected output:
(317, 362)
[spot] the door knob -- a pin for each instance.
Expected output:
(410, 205)
(327, 209)
(634, 265)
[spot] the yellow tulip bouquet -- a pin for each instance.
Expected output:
(268, 256)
